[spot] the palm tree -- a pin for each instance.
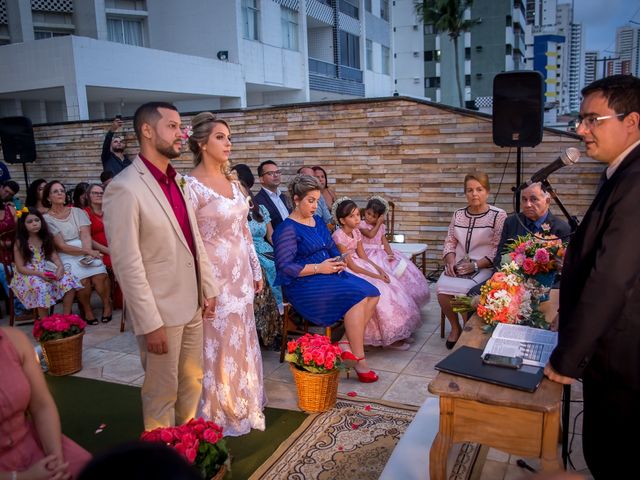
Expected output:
(448, 16)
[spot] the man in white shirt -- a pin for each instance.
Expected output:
(275, 201)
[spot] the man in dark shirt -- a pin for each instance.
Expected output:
(113, 157)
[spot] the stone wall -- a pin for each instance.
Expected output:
(413, 152)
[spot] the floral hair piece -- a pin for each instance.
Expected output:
(186, 133)
(382, 201)
(21, 212)
(334, 208)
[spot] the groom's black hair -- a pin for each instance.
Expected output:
(148, 113)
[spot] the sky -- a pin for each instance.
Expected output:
(600, 18)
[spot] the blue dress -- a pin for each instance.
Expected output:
(259, 232)
(321, 299)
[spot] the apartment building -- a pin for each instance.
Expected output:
(83, 59)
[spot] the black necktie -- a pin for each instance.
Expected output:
(601, 181)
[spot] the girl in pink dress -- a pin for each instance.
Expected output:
(393, 262)
(396, 316)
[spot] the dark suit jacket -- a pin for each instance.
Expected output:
(262, 198)
(512, 229)
(599, 328)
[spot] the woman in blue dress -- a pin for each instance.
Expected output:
(312, 275)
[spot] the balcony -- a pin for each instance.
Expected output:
(322, 68)
(328, 77)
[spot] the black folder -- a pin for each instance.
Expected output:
(467, 362)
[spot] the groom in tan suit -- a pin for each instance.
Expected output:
(162, 267)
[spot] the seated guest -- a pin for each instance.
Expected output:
(79, 195)
(31, 441)
(323, 211)
(313, 278)
(71, 231)
(276, 202)
(8, 191)
(396, 316)
(328, 194)
(469, 249)
(534, 218)
(34, 195)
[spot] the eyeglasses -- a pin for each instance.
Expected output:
(275, 173)
(591, 121)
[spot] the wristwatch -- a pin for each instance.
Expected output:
(475, 265)
(315, 268)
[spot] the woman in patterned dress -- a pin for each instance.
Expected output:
(469, 249)
(233, 393)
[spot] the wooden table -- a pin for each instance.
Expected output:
(517, 422)
(412, 250)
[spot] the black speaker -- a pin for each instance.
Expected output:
(16, 135)
(518, 109)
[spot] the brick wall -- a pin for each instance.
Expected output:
(412, 152)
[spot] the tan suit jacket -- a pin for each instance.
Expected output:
(150, 255)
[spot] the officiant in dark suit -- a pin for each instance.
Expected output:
(275, 201)
(599, 324)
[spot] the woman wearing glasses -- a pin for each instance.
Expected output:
(71, 229)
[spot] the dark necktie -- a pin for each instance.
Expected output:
(601, 181)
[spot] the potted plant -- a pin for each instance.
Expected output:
(61, 339)
(315, 364)
(199, 441)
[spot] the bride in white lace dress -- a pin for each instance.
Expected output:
(233, 394)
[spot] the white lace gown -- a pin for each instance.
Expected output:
(233, 393)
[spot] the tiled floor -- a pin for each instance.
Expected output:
(404, 376)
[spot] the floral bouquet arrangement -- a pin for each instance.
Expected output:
(57, 326)
(535, 254)
(198, 440)
(314, 353)
(507, 297)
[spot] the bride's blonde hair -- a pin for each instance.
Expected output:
(201, 127)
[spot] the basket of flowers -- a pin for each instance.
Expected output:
(61, 339)
(315, 364)
(199, 441)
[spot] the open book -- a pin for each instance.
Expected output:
(533, 345)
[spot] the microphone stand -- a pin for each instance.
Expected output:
(566, 389)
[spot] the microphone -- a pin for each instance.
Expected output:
(570, 156)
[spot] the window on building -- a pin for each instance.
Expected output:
(428, 56)
(250, 19)
(508, 50)
(289, 28)
(467, 53)
(432, 82)
(367, 5)
(369, 58)
(349, 50)
(386, 60)
(125, 30)
(428, 29)
(509, 21)
(384, 10)
(349, 7)
(39, 34)
(467, 80)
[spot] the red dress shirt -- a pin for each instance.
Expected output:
(172, 191)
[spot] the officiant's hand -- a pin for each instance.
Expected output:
(554, 376)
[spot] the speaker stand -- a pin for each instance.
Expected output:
(518, 176)
(26, 177)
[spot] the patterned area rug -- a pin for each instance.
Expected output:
(352, 441)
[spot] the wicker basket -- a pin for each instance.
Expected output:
(316, 391)
(221, 473)
(64, 356)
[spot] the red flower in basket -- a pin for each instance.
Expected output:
(57, 326)
(314, 353)
(198, 440)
